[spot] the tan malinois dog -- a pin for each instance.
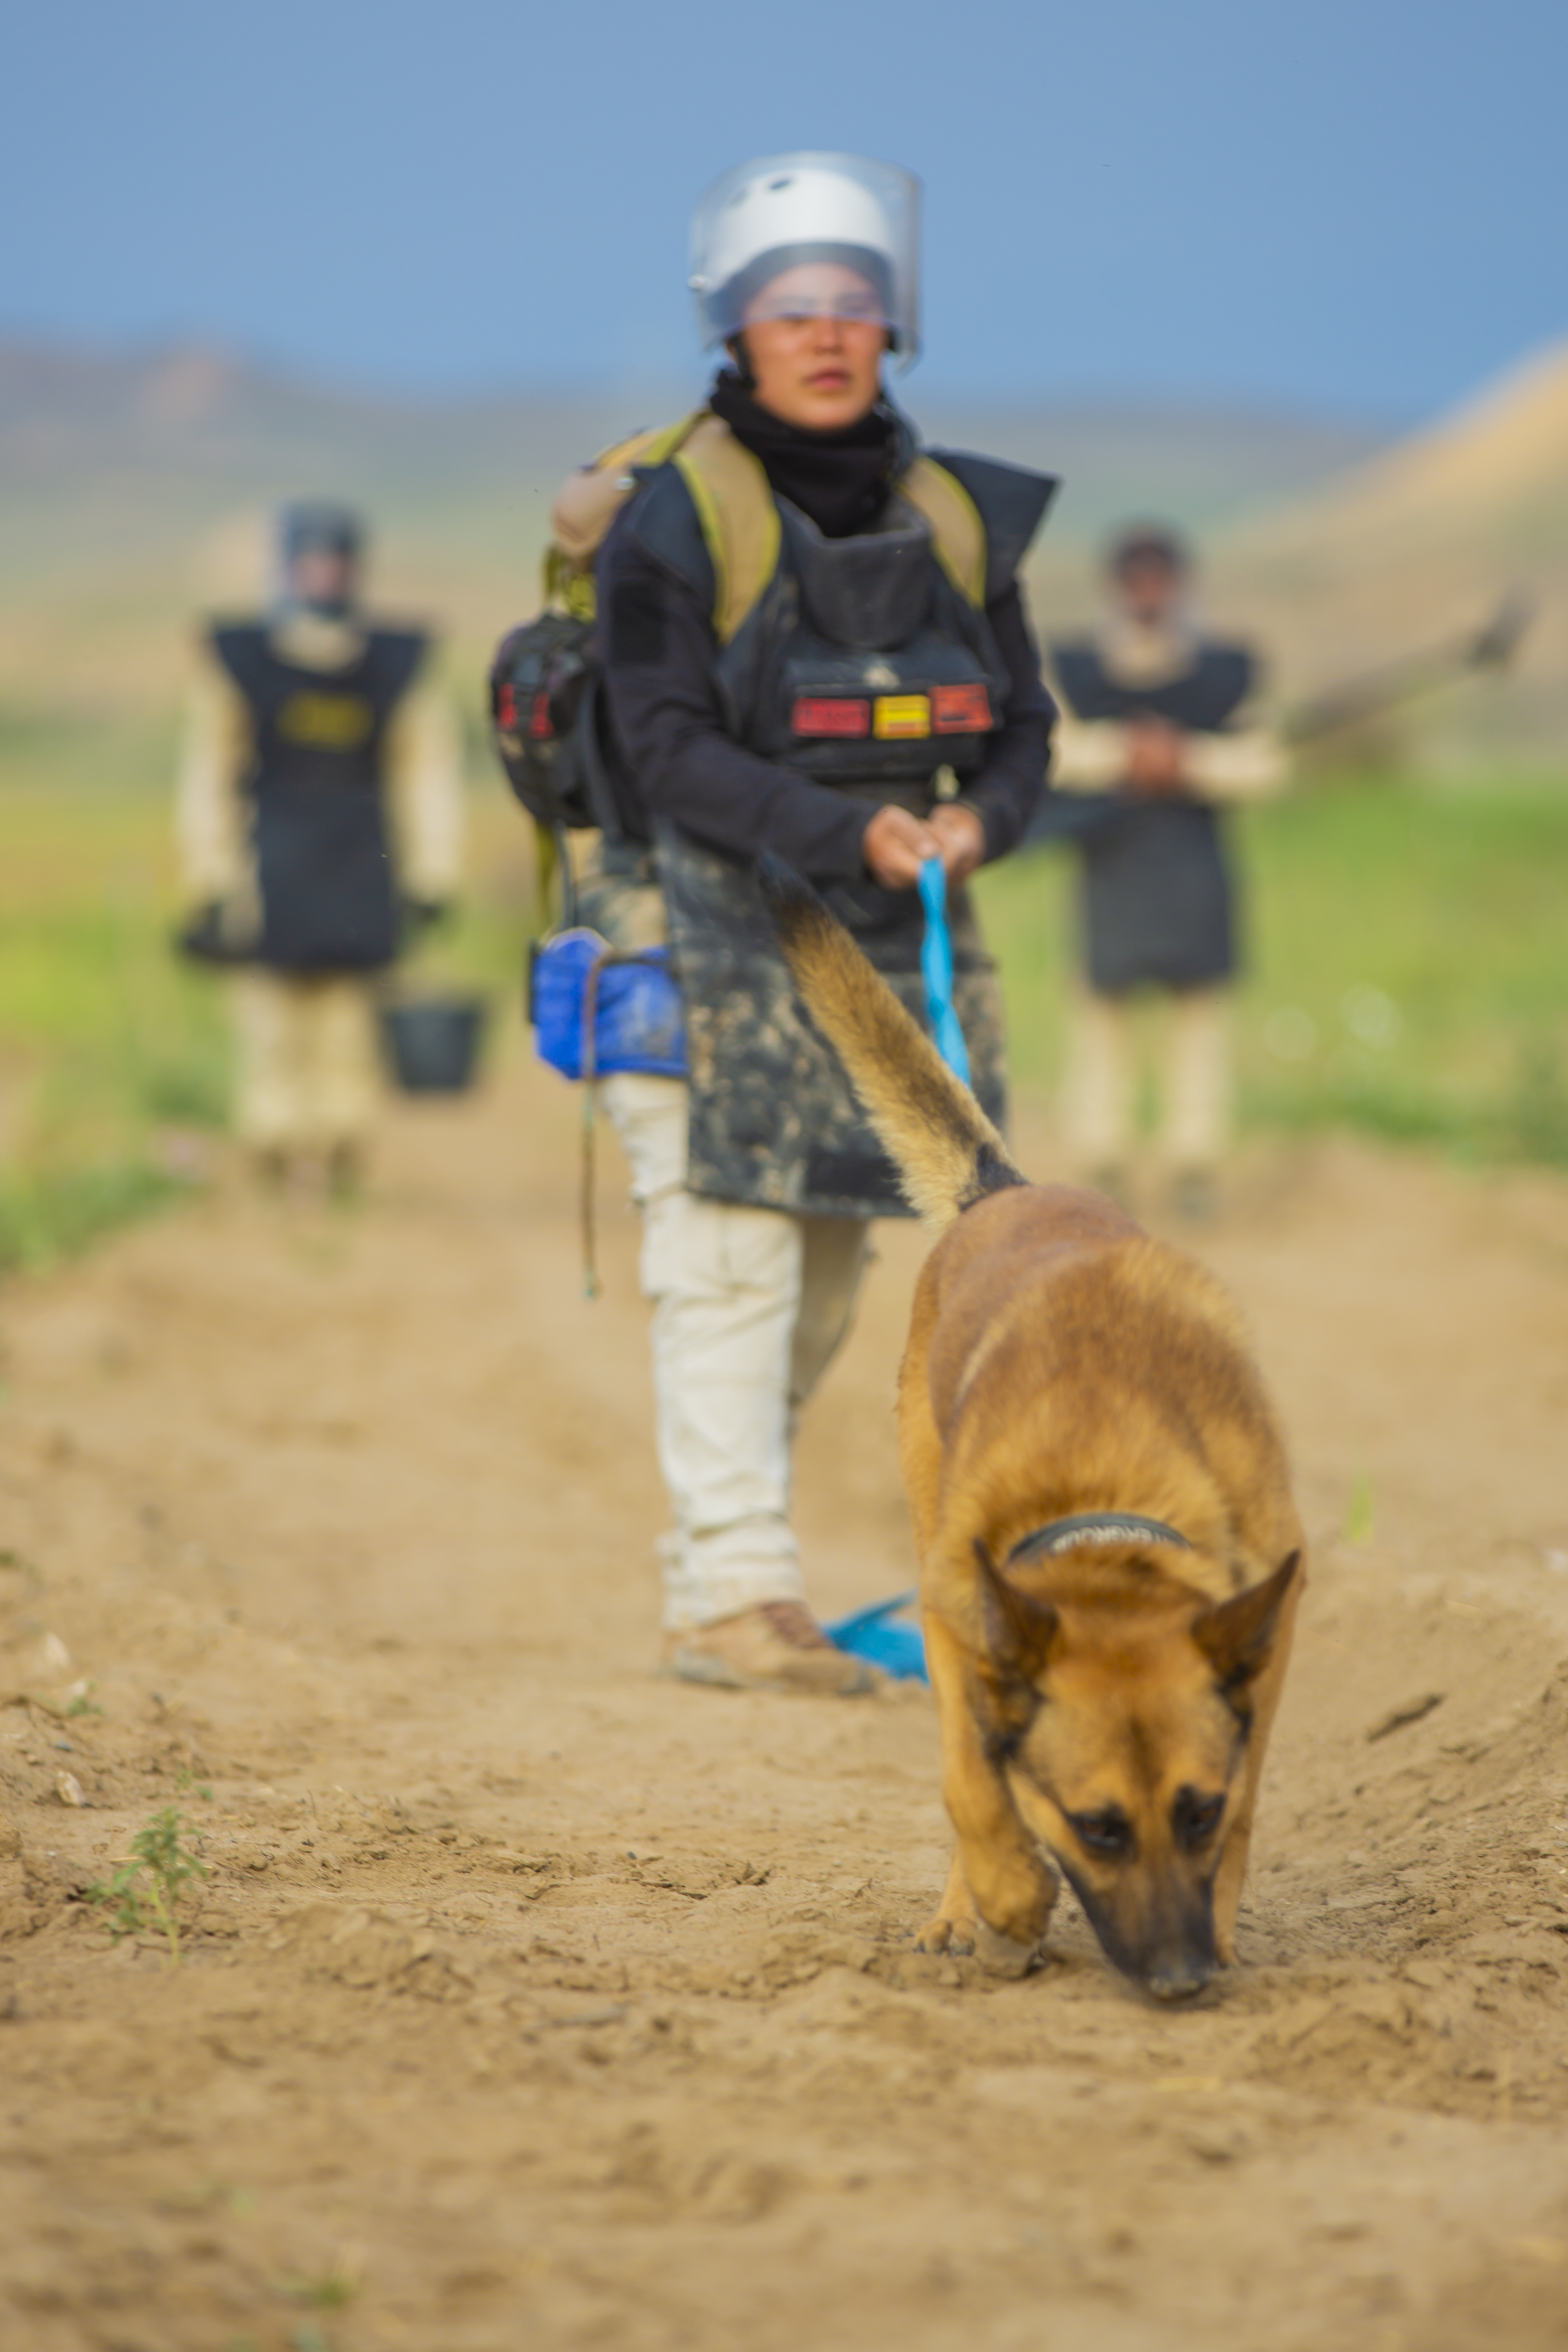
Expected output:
(1110, 1555)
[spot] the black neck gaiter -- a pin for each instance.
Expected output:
(840, 479)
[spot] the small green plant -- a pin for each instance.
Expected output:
(84, 1703)
(145, 1890)
(188, 1785)
(1359, 1510)
(329, 2290)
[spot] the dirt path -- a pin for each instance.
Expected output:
(537, 2001)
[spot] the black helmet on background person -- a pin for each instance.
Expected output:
(320, 524)
(1148, 542)
(843, 228)
(315, 528)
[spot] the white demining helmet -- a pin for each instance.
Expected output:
(805, 234)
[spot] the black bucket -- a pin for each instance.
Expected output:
(433, 1042)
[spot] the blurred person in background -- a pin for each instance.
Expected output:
(878, 705)
(321, 830)
(1161, 729)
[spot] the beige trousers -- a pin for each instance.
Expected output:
(1100, 1099)
(749, 1307)
(309, 1075)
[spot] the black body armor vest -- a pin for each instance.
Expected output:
(1202, 699)
(862, 665)
(329, 900)
(1159, 897)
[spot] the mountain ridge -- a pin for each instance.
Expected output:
(135, 485)
(1412, 546)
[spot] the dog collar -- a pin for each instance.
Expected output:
(1098, 1528)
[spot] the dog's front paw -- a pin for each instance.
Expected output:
(952, 1932)
(1000, 1955)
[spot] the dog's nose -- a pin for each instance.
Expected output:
(1178, 1980)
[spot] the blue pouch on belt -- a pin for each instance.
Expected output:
(598, 1010)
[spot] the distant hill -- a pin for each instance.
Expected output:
(1413, 544)
(133, 490)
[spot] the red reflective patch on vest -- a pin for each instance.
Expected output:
(506, 706)
(831, 714)
(960, 709)
(539, 723)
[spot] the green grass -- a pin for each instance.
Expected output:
(1410, 979)
(106, 1044)
(50, 1213)
(1408, 964)
(114, 1053)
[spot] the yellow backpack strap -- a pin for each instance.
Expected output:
(587, 504)
(955, 525)
(653, 449)
(740, 520)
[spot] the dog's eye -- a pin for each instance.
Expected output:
(1109, 1832)
(1195, 1816)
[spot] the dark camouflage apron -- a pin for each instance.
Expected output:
(774, 1122)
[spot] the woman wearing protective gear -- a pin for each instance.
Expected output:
(814, 643)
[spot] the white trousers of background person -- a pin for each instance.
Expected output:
(309, 1075)
(749, 1309)
(1099, 1098)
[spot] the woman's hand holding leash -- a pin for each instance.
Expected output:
(935, 856)
(961, 835)
(896, 845)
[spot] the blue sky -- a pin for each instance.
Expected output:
(1359, 206)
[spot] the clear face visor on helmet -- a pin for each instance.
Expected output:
(808, 237)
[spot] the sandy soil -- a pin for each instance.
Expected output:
(534, 2001)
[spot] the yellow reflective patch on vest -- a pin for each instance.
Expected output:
(327, 722)
(901, 714)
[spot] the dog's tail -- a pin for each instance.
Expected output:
(946, 1150)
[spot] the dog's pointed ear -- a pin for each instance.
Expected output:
(1016, 1628)
(1238, 1636)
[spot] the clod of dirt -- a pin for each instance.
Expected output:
(1415, 1710)
(48, 1659)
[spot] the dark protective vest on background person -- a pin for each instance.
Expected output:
(328, 893)
(865, 666)
(1158, 895)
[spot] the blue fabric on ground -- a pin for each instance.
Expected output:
(869, 1633)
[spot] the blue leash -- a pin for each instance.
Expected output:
(936, 970)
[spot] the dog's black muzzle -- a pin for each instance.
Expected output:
(1170, 1951)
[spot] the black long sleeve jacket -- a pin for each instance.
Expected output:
(671, 755)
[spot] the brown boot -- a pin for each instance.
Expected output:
(778, 1645)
